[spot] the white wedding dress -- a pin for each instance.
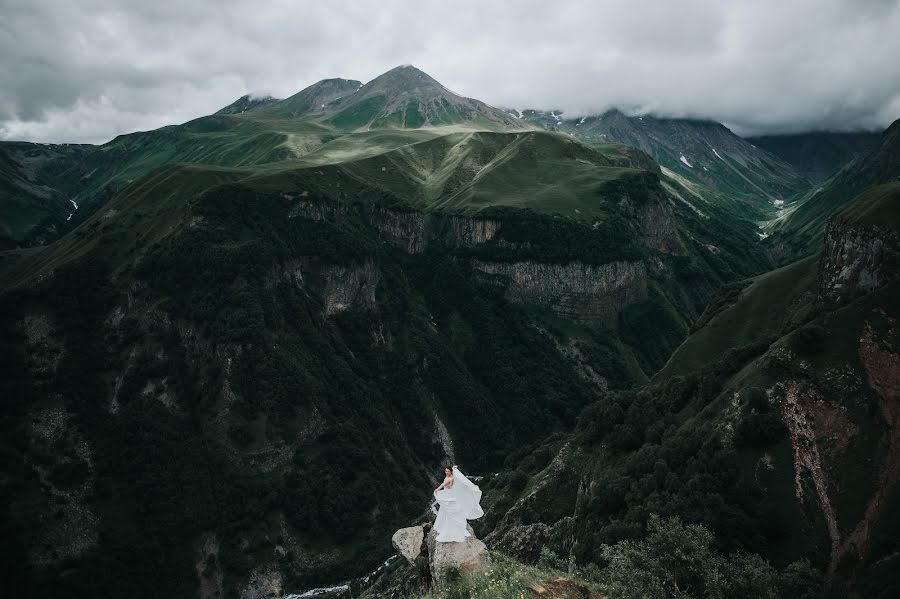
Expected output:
(458, 503)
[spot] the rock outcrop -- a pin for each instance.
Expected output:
(856, 260)
(347, 286)
(466, 556)
(585, 293)
(661, 233)
(441, 558)
(408, 541)
(469, 232)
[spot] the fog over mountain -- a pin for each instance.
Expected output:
(87, 71)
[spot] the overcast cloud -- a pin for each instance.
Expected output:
(89, 70)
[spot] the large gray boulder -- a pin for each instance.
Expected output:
(465, 556)
(408, 541)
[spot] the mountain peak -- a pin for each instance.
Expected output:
(405, 78)
(406, 97)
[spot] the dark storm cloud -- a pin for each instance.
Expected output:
(89, 70)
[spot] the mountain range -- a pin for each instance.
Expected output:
(237, 351)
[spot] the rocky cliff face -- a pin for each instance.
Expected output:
(827, 434)
(469, 232)
(407, 230)
(584, 293)
(348, 286)
(660, 230)
(856, 260)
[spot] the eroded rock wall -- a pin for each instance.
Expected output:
(584, 293)
(856, 260)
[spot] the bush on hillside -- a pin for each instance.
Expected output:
(678, 560)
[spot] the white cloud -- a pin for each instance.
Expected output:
(88, 70)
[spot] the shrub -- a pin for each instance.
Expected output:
(677, 560)
(548, 559)
(759, 430)
(808, 339)
(517, 481)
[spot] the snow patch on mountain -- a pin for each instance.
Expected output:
(75, 206)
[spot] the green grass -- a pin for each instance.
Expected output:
(762, 309)
(153, 208)
(505, 578)
(444, 113)
(879, 205)
(467, 172)
(363, 144)
(392, 120)
(359, 114)
(414, 117)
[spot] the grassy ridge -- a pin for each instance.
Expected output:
(746, 313)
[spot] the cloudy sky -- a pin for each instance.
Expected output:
(86, 71)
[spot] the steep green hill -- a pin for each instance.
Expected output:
(819, 154)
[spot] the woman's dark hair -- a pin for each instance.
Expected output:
(450, 468)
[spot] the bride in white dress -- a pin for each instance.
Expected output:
(459, 500)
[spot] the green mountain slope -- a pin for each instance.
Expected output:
(411, 106)
(247, 132)
(774, 424)
(817, 155)
(798, 229)
(313, 99)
